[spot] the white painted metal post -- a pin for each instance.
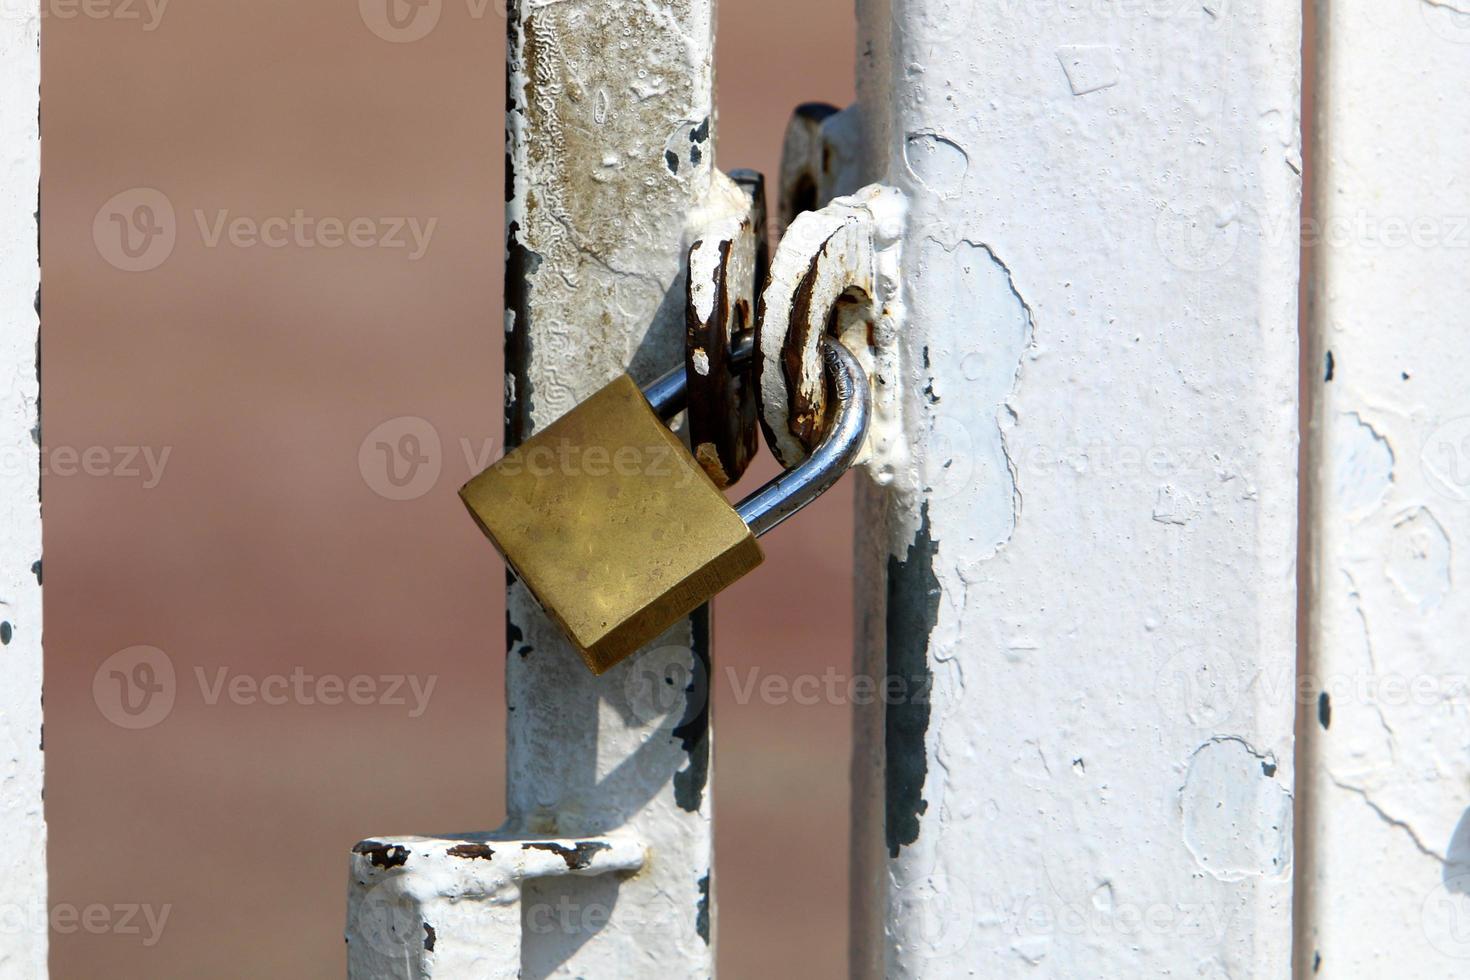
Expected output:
(23, 863)
(611, 172)
(610, 176)
(1384, 884)
(1081, 586)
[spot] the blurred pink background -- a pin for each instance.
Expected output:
(256, 546)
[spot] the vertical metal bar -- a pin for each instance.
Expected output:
(1384, 879)
(1081, 587)
(611, 156)
(23, 862)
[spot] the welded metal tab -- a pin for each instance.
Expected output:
(727, 268)
(452, 908)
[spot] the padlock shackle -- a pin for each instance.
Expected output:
(669, 395)
(852, 410)
(788, 493)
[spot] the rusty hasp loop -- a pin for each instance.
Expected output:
(822, 284)
(726, 268)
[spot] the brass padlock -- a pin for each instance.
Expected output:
(616, 529)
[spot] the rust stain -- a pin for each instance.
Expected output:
(472, 852)
(802, 413)
(577, 857)
(380, 855)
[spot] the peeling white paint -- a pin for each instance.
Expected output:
(1089, 67)
(1362, 465)
(1089, 554)
(937, 162)
(1419, 559)
(1237, 815)
(719, 219)
(23, 864)
(1385, 776)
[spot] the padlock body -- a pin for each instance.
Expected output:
(612, 525)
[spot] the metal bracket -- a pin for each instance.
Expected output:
(425, 908)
